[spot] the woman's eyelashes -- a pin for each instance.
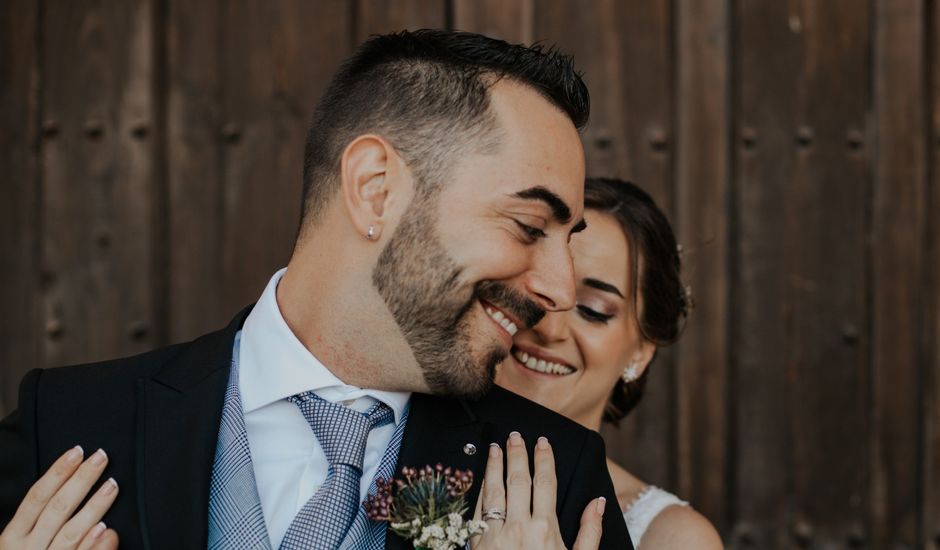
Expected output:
(593, 316)
(532, 234)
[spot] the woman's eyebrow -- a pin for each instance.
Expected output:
(601, 285)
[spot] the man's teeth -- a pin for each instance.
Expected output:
(498, 316)
(540, 365)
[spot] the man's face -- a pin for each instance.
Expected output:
(488, 253)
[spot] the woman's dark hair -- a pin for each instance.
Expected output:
(655, 266)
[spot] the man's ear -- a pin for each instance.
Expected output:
(371, 174)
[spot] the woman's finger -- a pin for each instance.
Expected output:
(86, 519)
(100, 538)
(67, 498)
(494, 494)
(477, 514)
(544, 483)
(518, 480)
(589, 535)
(43, 491)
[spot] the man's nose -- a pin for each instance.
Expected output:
(551, 279)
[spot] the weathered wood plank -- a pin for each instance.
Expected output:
(277, 58)
(824, 261)
(767, 58)
(702, 186)
(99, 191)
(624, 50)
(382, 16)
(931, 435)
(21, 337)
(195, 136)
(897, 267)
(509, 20)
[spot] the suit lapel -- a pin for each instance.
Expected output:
(179, 412)
(438, 430)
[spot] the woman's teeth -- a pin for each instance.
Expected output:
(540, 365)
(498, 316)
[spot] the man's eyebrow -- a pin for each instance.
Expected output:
(601, 285)
(560, 210)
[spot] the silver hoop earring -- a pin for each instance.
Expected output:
(630, 373)
(371, 234)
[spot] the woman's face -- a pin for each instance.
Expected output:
(571, 360)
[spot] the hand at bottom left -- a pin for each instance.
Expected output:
(47, 518)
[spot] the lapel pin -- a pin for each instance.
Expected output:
(470, 449)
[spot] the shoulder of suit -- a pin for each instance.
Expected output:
(128, 369)
(506, 409)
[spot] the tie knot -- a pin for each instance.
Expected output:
(341, 431)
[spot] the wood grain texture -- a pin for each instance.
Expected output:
(21, 336)
(702, 186)
(196, 138)
(624, 51)
(931, 434)
(509, 20)
(98, 191)
(897, 268)
(767, 59)
(383, 16)
(824, 261)
(277, 59)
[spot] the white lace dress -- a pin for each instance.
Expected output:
(644, 509)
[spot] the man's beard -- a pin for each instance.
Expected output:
(421, 286)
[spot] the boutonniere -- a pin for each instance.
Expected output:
(426, 506)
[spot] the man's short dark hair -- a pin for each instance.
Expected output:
(427, 92)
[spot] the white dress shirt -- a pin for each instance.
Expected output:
(289, 464)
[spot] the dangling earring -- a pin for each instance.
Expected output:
(371, 234)
(630, 373)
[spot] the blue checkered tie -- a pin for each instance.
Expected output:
(342, 433)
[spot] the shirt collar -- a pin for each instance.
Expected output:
(273, 364)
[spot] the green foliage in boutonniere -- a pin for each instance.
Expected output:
(426, 506)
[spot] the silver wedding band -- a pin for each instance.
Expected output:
(494, 513)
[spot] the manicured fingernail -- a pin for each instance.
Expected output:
(543, 443)
(75, 454)
(98, 458)
(601, 504)
(97, 530)
(515, 439)
(108, 487)
(494, 450)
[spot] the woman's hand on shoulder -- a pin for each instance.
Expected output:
(680, 528)
(49, 516)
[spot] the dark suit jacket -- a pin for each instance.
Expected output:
(157, 416)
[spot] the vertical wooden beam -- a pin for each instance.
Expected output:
(897, 267)
(824, 261)
(702, 187)
(767, 55)
(509, 20)
(801, 379)
(931, 435)
(382, 16)
(195, 140)
(625, 52)
(20, 292)
(277, 59)
(99, 187)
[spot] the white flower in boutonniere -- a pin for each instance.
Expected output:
(426, 507)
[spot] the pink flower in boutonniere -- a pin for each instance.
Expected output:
(426, 506)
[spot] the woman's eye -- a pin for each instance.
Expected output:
(593, 316)
(531, 233)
